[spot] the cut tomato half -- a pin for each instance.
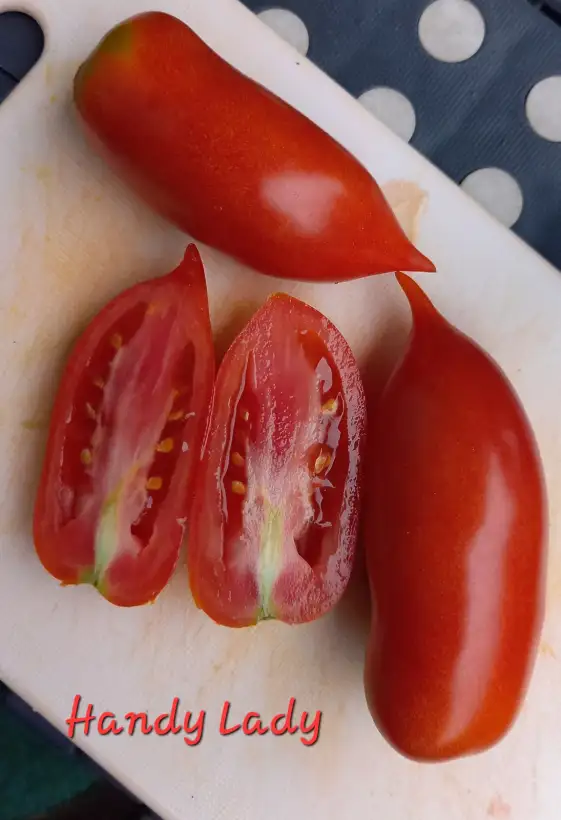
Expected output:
(274, 522)
(124, 439)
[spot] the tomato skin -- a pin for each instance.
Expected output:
(456, 541)
(271, 552)
(95, 521)
(230, 163)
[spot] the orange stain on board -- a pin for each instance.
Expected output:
(408, 201)
(547, 651)
(498, 809)
(35, 424)
(43, 173)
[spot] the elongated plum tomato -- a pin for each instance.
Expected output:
(125, 435)
(455, 539)
(230, 163)
(274, 520)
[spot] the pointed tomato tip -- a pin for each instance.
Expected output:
(419, 302)
(281, 296)
(192, 254)
(191, 266)
(417, 262)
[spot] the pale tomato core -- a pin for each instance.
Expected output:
(283, 468)
(127, 431)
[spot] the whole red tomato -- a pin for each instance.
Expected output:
(229, 162)
(455, 540)
(124, 439)
(273, 525)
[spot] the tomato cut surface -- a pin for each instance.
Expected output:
(125, 434)
(455, 540)
(274, 521)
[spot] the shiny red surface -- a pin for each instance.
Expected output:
(455, 538)
(230, 163)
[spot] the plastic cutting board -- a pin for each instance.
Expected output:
(71, 237)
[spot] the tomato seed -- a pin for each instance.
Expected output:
(322, 462)
(117, 341)
(238, 487)
(177, 415)
(90, 411)
(154, 483)
(99, 383)
(165, 446)
(330, 407)
(238, 460)
(86, 457)
(244, 414)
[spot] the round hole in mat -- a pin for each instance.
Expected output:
(543, 108)
(497, 191)
(452, 30)
(288, 26)
(21, 45)
(391, 107)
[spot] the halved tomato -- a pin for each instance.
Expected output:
(125, 434)
(274, 522)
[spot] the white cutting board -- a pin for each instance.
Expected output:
(71, 237)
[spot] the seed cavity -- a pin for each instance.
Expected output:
(238, 487)
(154, 483)
(237, 459)
(165, 446)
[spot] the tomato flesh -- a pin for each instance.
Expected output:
(124, 438)
(455, 540)
(274, 520)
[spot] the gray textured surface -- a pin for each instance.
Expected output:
(470, 114)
